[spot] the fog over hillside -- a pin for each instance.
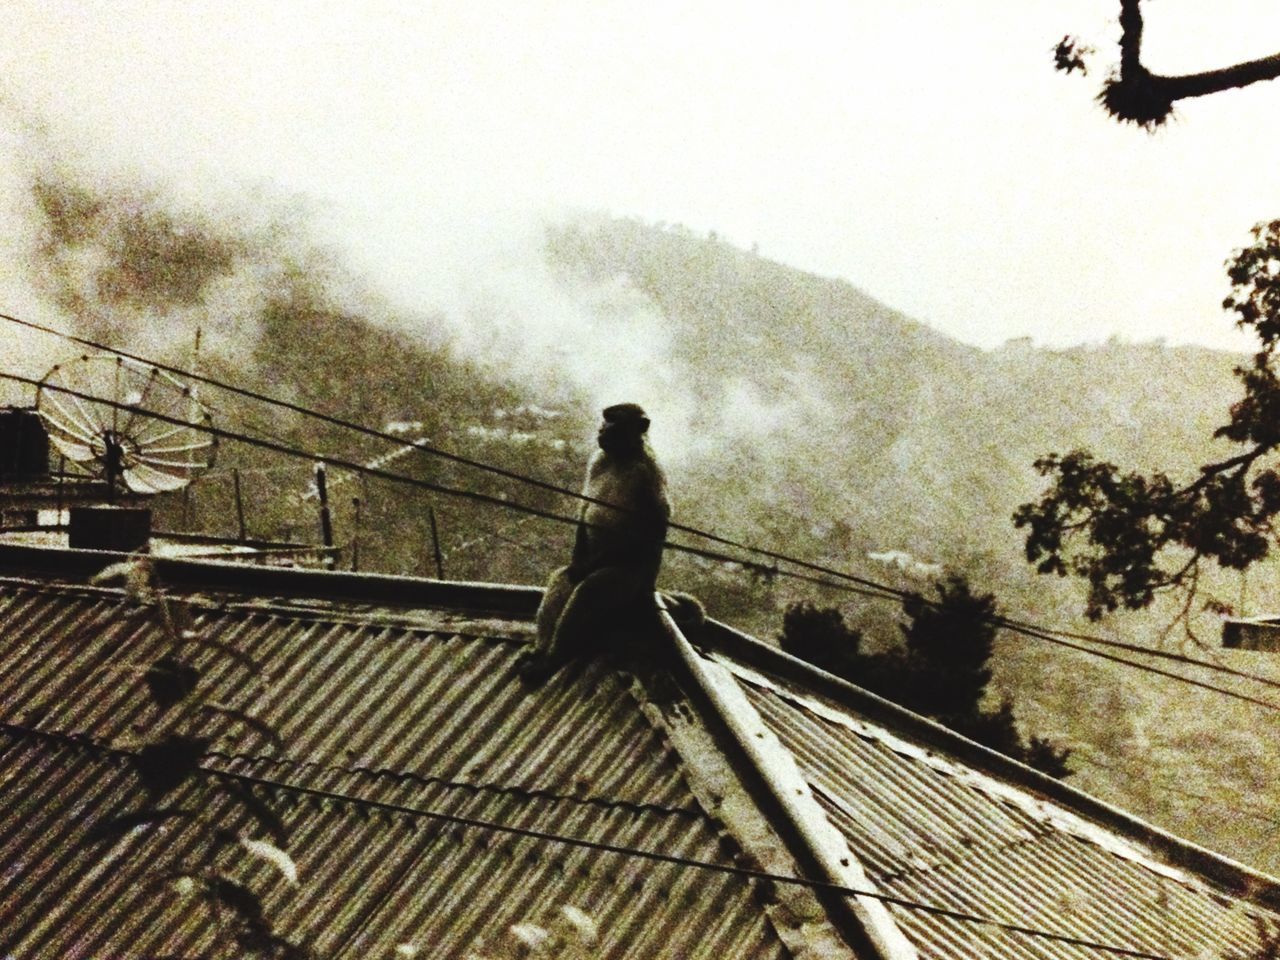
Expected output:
(791, 410)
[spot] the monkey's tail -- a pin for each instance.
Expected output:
(685, 609)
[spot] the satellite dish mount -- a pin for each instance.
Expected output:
(132, 425)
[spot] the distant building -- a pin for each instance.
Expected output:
(435, 806)
(1252, 633)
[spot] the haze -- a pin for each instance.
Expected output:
(926, 154)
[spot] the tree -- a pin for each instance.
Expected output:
(1133, 535)
(941, 670)
(1134, 94)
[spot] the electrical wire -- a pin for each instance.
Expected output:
(880, 592)
(434, 451)
(1023, 626)
(305, 411)
(545, 836)
(491, 499)
(290, 450)
(869, 587)
(1058, 641)
(859, 585)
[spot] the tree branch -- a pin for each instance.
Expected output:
(1137, 95)
(1225, 78)
(1130, 38)
(1211, 471)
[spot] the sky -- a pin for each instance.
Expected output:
(925, 152)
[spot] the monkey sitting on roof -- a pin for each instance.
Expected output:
(616, 553)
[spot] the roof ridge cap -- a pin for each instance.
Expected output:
(864, 920)
(238, 577)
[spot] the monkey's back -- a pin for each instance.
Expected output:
(636, 530)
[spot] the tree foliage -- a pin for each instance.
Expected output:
(1132, 535)
(941, 669)
(1133, 94)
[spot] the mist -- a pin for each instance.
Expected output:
(100, 247)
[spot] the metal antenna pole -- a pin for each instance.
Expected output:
(355, 537)
(326, 520)
(242, 532)
(62, 478)
(435, 542)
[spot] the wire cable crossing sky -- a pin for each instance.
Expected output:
(844, 581)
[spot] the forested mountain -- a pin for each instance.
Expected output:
(845, 419)
(811, 419)
(887, 436)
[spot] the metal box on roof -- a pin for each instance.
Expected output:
(1252, 633)
(120, 529)
(24, 445)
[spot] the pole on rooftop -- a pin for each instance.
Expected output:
(435, 543)
(62, 479)
(326, 520)
(235, 477)
(355, 537)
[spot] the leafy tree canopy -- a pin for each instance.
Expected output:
(1132, 535)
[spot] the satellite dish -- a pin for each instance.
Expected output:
(123, 444)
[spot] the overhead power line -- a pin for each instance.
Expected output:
(293, 451)
(877, 591)
(1058, 641)
(546, 836)
(869, 587)
(849, 582)
(436, 451)
(357, 467)
(746, 872)
(1025, 627)
(528, 480)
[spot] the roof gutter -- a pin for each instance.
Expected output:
(817, 846)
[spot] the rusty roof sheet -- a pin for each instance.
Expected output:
(933, 830)
(377, 710)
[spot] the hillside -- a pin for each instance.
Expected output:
(816, 420)
(875, 421)
(890, 437)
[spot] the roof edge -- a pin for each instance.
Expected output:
(1244, 881)
(239, 577)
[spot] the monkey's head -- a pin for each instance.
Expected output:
(622, 429)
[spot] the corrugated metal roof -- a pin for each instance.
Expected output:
(370, 882)
(386, 708)
(354, 693)
(931, 830)
(375, 707)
